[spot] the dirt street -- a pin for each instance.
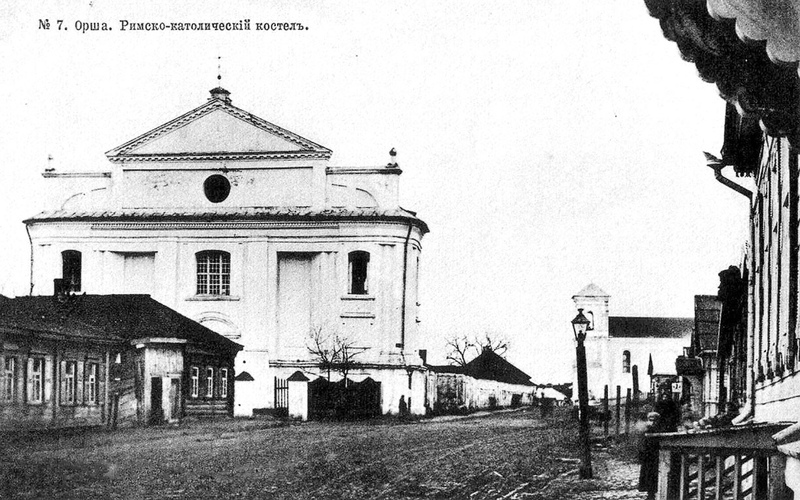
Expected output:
(503, 455)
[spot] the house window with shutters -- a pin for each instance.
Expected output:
(223, 382)
(69, 383)
(213, 273)
(209, 382)
(35, 380)
(195, 381)
(9, 379)
(91, 391)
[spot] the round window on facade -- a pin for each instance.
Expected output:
(217, 188)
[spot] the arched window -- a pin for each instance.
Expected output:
(626, 361)
(213, 273)
(71, 270)
(358, 261)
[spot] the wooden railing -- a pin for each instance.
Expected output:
(721, 464)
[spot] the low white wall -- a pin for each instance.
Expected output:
(394, 385)
(454, 391)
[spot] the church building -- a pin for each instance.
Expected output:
(621, 348)
(246, 228)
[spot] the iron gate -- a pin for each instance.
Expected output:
(281, 397)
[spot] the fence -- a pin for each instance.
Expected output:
(281, 397)
(344, 399)
(618, 415)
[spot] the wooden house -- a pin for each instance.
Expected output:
(55, 370)
(130, 359)
(755, 455)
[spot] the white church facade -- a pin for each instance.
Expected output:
(618, 348)
(244, 227)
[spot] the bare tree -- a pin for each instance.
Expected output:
(461, 349)
(332, 351)
(494, 342)
(458, 349)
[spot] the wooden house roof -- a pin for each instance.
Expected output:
(120, 317)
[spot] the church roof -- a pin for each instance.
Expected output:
(196, 135)
(232, 214)
(115, 317)
(650, 327)
(591, 290)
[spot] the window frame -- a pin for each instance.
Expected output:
(91, 390)
(209, 382)
(213, 283)
(9, 389)
(194, 374)
(358, 272)
(69, 383)
(37, 379)
(223, 382)
(72, 267)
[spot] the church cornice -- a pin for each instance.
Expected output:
(288, 155)
(255, 217)
(357, 170)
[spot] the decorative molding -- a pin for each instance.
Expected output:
(357, 170)
(358, 297)
(357, 314)
(219, 157)
(213, 298)
(121, 153)
(212, 225)
(75, 175)
(246, 219)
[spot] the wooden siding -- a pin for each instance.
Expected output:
(202, 405)
(54, 410)
(775, 281)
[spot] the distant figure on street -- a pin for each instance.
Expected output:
(547, 406)
(403, 407)
(648, 457)
(668, 409)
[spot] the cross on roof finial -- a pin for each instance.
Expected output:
(219, 68)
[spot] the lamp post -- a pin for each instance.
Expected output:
(580, 326)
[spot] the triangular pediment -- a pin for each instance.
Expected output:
(591, 290)
(217, 128)
(217, 132)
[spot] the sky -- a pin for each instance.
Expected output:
(548, 144)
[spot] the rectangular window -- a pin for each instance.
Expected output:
(223, 382)
(213, 273)
(9, 378)
(195, 382)
(69, 383)
(71, 270)
(35, 380)
(358, 262)
(209, 382)
(91, 389)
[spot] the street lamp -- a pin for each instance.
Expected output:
(580, 326)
